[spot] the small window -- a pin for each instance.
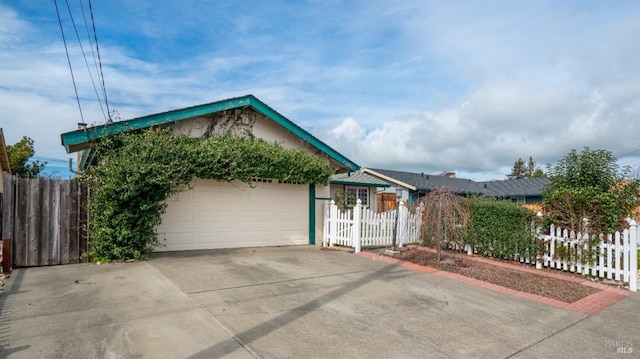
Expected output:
(518, 200)
(361, 194)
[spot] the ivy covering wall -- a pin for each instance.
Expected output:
(136, 173)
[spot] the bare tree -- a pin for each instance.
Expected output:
(447, 218)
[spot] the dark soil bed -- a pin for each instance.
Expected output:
(548, 287)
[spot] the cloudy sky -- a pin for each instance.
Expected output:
(423, 86)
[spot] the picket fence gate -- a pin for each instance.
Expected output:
(615, 256)
(362, 227)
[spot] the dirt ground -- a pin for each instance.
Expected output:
(548, 287)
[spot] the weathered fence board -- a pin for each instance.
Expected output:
(46, 220)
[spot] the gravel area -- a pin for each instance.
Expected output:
(548, 287)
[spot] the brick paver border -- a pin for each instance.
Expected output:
(589, 305)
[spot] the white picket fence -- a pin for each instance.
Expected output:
(361, 227)
(614, 255)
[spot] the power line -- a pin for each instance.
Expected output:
(68, 60)
(95, 35)
(73, 22)
(93, 54)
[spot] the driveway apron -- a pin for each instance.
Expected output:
(286, 302)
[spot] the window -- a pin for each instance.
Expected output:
(361, 194)
(518, 200)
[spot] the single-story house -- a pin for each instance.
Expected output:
(365, 187)
(524, 191)
(214, 214)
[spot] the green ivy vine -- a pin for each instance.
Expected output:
(137, 172)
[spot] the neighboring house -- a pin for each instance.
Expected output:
(5, 165)
(214, 214)
(416, 185)
(367, 188)
(523, 191)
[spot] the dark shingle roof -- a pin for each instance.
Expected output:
(526, 187)
(426, 182)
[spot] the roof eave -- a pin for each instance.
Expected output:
(83, 139)
(389, 179)
(361, 184)
(5, 164)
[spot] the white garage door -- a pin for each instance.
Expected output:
(229, 215)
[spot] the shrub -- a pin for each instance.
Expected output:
(503, 229)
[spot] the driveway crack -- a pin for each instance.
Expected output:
(277, 282)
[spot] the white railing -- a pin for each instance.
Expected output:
(362, 227)
(613, 256)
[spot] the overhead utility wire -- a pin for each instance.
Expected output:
(95, 35)
(93, 53)
(73, 22)
(68, 60)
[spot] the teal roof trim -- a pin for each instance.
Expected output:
(360, 184)
(300, 132)
(82, 139)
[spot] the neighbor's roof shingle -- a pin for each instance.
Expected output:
(514, 187)
(525, 187)
(427, 182)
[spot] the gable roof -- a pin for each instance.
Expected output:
(421, 182)
(82, 139)
(358, 178)
(5, 165)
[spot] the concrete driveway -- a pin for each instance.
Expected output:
(288, 302)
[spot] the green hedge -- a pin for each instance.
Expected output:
(502, 229)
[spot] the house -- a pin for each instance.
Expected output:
(524, 191)
(365, 187)
(5, 165)
(214, 214)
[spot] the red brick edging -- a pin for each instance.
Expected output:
(589, 305)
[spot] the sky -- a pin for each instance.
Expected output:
(421, 86)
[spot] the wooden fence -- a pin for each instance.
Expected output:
(361, 227)
(45, 219)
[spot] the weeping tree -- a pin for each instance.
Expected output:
(447, 219)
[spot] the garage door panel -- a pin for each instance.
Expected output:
(181, 217)
(174, 241)
(216, 216)
(228, 215)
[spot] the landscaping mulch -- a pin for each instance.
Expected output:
(558, 289)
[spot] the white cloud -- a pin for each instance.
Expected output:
(421, 86)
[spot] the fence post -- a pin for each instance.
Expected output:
(333, 223)
(403, 214)
(6, 256)
(633, 262)
(325, 224)
(357, 219)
